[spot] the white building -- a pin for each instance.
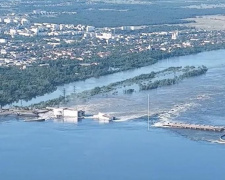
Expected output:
(3, 51)
(35, 30)
(24, 21)
(55, 27)
(3, 41)
(58, 113)
(105, 36)
(61, 27)
(70, 113)
(67, 112)
(12, 32)
(128, 28)
(7, 20)
(90, 28)
(175, 35)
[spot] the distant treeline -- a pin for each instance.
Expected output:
(134, 14)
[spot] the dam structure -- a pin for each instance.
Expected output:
(193, 126)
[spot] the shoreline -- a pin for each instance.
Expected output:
(109, 73)
(143, 82)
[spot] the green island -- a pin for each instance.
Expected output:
(24, 84)
(152, 80)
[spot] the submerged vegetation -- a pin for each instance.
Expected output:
(188, 72)
(148, 81)
(44, 77)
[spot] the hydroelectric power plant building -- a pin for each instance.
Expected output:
(68, 112)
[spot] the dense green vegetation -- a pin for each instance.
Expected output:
(96, 14)
(17, 84)
(186, 72)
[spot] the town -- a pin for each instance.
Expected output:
(22, 42)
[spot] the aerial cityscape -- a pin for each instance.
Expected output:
(112, 89)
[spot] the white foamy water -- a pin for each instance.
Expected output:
(56, 149)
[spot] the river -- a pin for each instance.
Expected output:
(126, 149)
(210, 59)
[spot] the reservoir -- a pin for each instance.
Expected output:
(126, 149)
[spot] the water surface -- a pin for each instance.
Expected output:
(125, 149)
(111, 151)
(210, 59)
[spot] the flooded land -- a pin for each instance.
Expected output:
(56, 150)
(112, 90)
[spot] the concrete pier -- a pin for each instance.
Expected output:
(194, 126)
(22, 113)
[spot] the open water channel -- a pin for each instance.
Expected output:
(126, 149)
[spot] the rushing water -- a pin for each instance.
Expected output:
(209, 59)
(125, 149)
